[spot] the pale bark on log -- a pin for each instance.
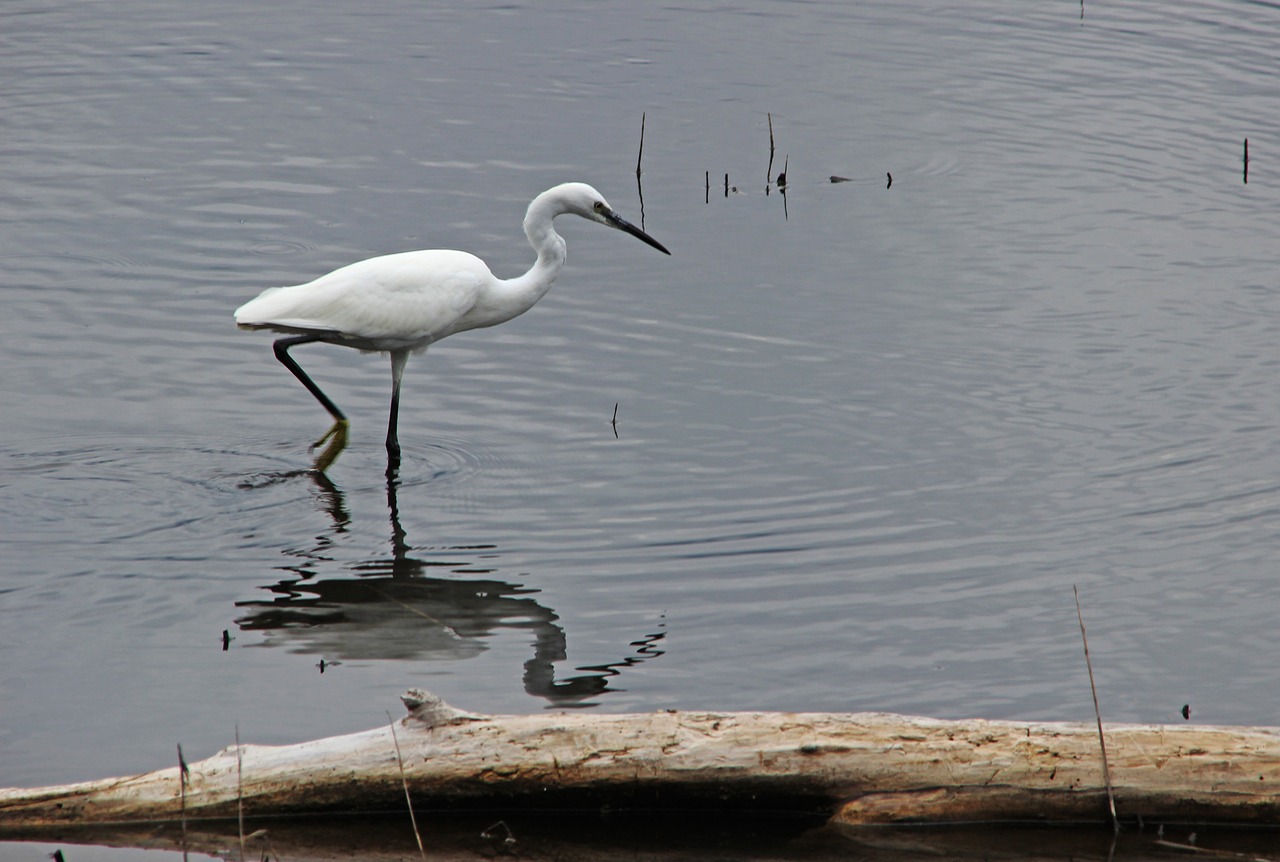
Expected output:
(861, 767)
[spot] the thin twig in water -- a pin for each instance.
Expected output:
(782, 186)
(183, 772)
(640, 197)
(640, 155)
(240, 790)
(405, 783)
(768, 173)
(1102, 740)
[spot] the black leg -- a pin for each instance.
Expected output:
(393, 439)
(282, 353)
(393, 442)
(398, 360)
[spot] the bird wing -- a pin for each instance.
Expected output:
(399, 299)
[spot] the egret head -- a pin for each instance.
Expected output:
(583, 200)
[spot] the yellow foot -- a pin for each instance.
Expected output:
(336, 437)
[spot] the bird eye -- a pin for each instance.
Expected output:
(599, 207)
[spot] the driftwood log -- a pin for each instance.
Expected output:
(860, 768)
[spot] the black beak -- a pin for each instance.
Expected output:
(623, 225)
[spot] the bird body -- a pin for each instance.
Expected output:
(401, 303)
(385, 303)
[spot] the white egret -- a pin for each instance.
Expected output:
(401, 303)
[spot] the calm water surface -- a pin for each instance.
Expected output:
(868, 438)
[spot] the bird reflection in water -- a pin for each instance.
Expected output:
(396, 609)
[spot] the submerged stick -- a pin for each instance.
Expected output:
(1207, 851)
(1102, 740)
(507, 842)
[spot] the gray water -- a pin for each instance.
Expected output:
(868, 436)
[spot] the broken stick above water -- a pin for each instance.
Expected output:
(856, 767)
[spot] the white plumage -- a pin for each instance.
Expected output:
(383, 303)
(401, 303)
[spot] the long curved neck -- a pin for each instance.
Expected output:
(525, 290)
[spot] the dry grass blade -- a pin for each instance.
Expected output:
(1102, 739)
(240, 790)
(405, 783)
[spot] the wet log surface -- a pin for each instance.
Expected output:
(858, 768)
